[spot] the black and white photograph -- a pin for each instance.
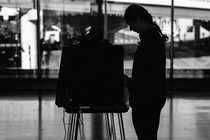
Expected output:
(104, 69)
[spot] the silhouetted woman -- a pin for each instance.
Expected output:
(147, 84)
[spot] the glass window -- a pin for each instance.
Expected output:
(24, 45)
(29, 50)
(61, 26)
(191, 41)
(10, 47)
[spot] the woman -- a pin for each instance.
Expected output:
(147, 84)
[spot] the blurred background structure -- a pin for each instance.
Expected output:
(33, 33)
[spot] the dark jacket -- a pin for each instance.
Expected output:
(148, 76)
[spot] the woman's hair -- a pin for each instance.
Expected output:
(133, 11)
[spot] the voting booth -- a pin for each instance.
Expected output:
(91, 79)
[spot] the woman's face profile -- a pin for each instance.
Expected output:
(133, 26)
(137, 26)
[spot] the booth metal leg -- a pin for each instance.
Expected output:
(113, 126)
(110, 125)
(70, 131)
(121, 126)
(77, 125)
(81, 127)
(74, 126)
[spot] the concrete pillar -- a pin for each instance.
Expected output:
(28, 43)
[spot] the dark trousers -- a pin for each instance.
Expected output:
(146, 121)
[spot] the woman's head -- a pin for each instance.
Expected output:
(136, 11)
(137, 17)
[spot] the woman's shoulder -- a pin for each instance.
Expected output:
(149, 33)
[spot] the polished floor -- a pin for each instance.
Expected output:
(34, 116)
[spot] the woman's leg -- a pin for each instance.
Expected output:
(146, 122)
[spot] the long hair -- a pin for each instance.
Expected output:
(133, 11)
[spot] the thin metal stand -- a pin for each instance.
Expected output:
(76, 124)
(110, 125)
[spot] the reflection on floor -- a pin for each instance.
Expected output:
(31, 117)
